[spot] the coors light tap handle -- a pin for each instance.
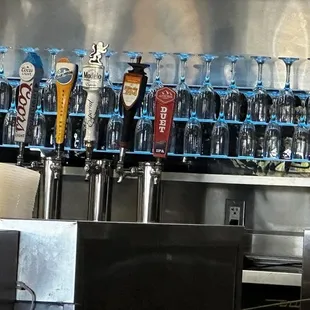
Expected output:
(164, 109)
(92, 82)
(66, 74)
(31, 73)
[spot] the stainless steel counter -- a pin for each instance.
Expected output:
(78, 262)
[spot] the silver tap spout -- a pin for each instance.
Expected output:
(120, 165)
(20, 157)
(148, 192)
(89, 166)
(56, 166)
(156, 171)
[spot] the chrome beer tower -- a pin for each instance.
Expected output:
(148, 173)
(66, 75)
(98, 172)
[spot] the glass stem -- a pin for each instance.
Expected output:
(302, 121)
(2, 64)
(53, 65)
(80, 74)
(144, 109)
(182, 70)
(208, 71)
(194, 109)
(222, 108)
(249, 109)
(116, 106)
(288, 76)
(233, 74)
(13, 103)
(157, 76)
(260, 75)
(107, 69)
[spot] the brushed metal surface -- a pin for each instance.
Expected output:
(271, 278)
(47, 259)
(264, 27)
(281, 245)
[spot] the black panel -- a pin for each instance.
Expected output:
(9, 245)
(137, 266)
(255, 295)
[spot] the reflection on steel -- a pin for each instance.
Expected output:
(274, 245)
(48, 199)
(52, 188)
(100, 190)
(305, 289)
(58, 271)
(148, 193)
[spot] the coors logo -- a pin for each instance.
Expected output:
(23, 104)
(26, 71)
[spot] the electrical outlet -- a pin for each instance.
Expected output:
(234, 212)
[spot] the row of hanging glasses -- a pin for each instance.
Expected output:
(201, 107)
(206, 97)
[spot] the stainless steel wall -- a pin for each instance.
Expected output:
(268, 208)
(274, 28)
(264, 27)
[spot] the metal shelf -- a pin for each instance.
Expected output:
(217, 178)
(271, 278)
(237, 179)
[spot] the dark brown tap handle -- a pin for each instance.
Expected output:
(132, 95)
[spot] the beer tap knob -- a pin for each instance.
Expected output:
(89, 165)
(156, 172)
(120, 166)
(132, 95)
(31, 73)
(36, 165)
(87, 169)
(92, 83)
(56, 167)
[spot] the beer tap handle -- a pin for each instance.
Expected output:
(164, 110)
(66, 75)
(31, 73)
(92, 83)
(132, 95)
